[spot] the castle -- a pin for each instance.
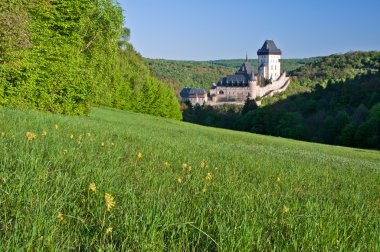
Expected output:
(245, 83)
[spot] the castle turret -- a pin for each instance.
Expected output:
(269, 60)
(252, 83)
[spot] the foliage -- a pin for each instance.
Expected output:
(64, 56)
(182, 74)
(203, 73)
(336, 67)
(287, 64)
(249, 105)
(120, 181)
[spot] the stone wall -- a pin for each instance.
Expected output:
(195, 100)
(276, 85)
(229, 93)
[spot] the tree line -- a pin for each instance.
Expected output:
(65, 56)
(180, 74)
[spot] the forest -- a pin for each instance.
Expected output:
(335, 100)
(180, 74)
(67, 56)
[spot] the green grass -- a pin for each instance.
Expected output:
(332, 193)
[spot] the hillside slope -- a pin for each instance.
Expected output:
(203, 73)
(243, 191)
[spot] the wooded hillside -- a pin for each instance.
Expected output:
(202, 74)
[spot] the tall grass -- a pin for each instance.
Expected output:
(178, 187)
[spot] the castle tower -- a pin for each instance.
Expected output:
(252, 84)
(269, 60)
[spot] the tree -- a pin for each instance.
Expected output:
(248, 106)
(64, 56)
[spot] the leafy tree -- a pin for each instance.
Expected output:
(248, 106)
(64, 56)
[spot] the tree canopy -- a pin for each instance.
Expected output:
(65, 56)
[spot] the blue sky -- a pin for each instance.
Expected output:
(227, 29)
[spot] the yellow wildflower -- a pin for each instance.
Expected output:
(102, 144)
(278, 179)
(2, 134)
(180, 180)
(204, 190)
(184, 166)
(109, 230)
(203, 164)
(110, 201)
(189, 168)
(60, 216)
(44, 133)
(89, 134)
(166, 165)
(139, 155)
(56, 126)
(92, 187)
(209, 176)
(71, 136)
(285, 209)
(30, 136)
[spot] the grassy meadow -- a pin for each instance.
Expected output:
(123, 181)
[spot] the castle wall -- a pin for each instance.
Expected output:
(221, 93)
(195, 99)
(276, 85)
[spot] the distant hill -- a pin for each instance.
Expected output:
(287, 64)
(182, 74)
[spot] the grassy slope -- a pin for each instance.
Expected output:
(333, 193)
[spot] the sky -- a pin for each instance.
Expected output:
(228, 29)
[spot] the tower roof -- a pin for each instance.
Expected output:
(246, 68)
(269, 47)
(240, 78)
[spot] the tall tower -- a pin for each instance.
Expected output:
(269, 60)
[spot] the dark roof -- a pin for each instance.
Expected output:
(186, 92)
(269, 47)
(246, 68)
(240, 78)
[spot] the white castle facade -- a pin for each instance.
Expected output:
(245, 83)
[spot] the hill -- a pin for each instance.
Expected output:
(182, 74)
(123, 181)
(203, 73)
(287, 64)
(333, 100)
